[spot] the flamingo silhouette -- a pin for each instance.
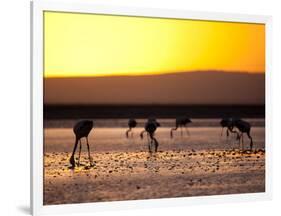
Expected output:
(180, 123)
(81, 129)
(228, 124)
(150, 128)
(243, 127)
(132, 123)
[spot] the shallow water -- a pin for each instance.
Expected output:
(123, 123)
(114, 139)
(124, 170)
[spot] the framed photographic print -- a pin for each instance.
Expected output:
(141, 107)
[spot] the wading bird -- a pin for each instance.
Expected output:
(81, 129)
(180, 123)
(150, 128)
(228, 124)
(132, 123)
(243, 127)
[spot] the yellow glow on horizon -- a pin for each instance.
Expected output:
(78, 45)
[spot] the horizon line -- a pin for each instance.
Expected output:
(140, 74)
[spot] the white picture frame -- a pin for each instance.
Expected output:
(37, 9)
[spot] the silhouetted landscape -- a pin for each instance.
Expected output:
(187, 88)
(198, 94)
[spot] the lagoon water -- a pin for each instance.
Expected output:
(109, 135)
(204, 163)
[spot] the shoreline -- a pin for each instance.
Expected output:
(137, 175)
(52, 112)
(164, 122)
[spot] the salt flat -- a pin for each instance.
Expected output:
(201, 164)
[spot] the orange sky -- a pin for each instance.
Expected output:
(78, 45)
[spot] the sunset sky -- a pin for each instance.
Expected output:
(77, 45)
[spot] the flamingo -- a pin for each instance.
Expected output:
(150, 128)
(243, 127)
(228, 123)
(132, 123)
(180, 123)
(81, 129)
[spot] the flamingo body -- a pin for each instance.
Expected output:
(81, 129)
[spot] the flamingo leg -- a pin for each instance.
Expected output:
(141, 134)
(238, 138)
(156, 144)
(173, 129)
(150, 141)
(251, 144)
(80, 147)
(72, 160)
(90, 158)
(127, 132)
(181, 131)
(221, 131)
(149, 146)
(242, 141)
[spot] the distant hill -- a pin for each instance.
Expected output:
(185, 88)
